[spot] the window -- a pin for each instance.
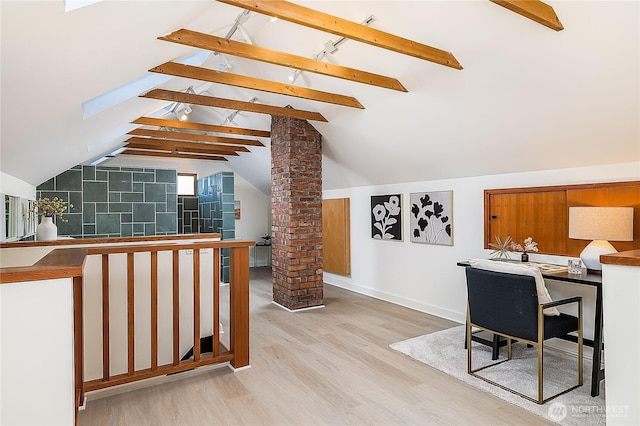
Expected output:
(187, 183)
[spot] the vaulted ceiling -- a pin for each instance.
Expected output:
(506, 89)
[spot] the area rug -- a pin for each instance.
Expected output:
(445, 351)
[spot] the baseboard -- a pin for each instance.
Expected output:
(334, 280)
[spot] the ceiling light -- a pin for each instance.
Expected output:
(183, 112)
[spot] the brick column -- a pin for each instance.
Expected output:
(296, 211)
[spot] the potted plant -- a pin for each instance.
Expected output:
(47, 209)
(267, 239)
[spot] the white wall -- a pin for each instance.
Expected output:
(425, 277)
(255, 218)
(36, 356)
(13, 186)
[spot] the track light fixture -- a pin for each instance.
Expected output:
(232, 116)
(329, 47)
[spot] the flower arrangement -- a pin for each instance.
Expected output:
(528, 246)
(49, 208)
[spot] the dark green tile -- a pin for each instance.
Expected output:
(94, 191)
(75, 198)
(190, 203)
(161, 207)
(149, 229)
(138, 234)
(144, 177)
(72, 226)
(71, 180)
(126, 230)
(130, 169)
(88, 173)
(89, 213)
(228, 234)
(89, 229)
(120, 181)
(128, 197)
(47, 186)
(108, 223)
(155, 193)
(150, 170)
(101, 175)
(138, 187)
(77, 167)
(126, 217)
(228, 198)
(172, 202)
(138, 228)
(114, 197)
(166, 222)
(144, 212)
(119, 207)
(168, 176)
(102, 208)
(105, 168)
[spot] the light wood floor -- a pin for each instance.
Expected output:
(328, 366)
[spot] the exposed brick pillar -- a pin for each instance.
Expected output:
(296, 210)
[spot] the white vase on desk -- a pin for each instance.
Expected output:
(47, 230)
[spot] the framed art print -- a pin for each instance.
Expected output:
(386, 217)
(431, 217)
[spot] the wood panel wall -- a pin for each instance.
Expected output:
(336, 237)
(543, 213)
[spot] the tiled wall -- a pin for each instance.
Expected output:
(188, 215)
(115, 201)
(216, 198)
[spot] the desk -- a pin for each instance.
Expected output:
(594, 280)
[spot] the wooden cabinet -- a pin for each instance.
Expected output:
(542, 213)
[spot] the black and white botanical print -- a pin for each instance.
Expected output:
(386, 217)
(431, 217)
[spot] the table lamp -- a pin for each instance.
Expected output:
(600, 224)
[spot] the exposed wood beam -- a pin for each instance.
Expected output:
(193, 137)
(535, 10)
(332, 24)
(172, 155)
(210, 101)
(214, 76)
(168, 147)
(177, 124)
(152, 142)
(250, 51)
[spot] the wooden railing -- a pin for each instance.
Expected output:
(237, 352)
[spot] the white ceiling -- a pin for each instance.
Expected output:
(528, 98)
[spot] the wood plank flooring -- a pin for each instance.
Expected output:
(327, 366)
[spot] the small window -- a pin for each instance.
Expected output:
(187, 183)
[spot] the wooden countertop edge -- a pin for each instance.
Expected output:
(112, 240)
(60, 263)
(625, 258)
(69, 262)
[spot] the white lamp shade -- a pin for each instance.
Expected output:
(601, 223)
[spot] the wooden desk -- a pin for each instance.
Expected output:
(593, 280)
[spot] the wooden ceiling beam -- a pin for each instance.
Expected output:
(177, 124)
(164, 134)
(210, 101)
(168, 147)
(172, 155)
(332, 24)
(214, 76)
(257, 53)
(152, 142)
(535, 10)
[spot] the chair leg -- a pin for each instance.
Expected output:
(540, 372)
(495, 352)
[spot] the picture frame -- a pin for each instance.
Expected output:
(431, 217)
(386, 217)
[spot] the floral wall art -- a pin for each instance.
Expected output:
(431, 217)
(386, 217)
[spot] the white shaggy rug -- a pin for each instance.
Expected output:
(445, 351)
